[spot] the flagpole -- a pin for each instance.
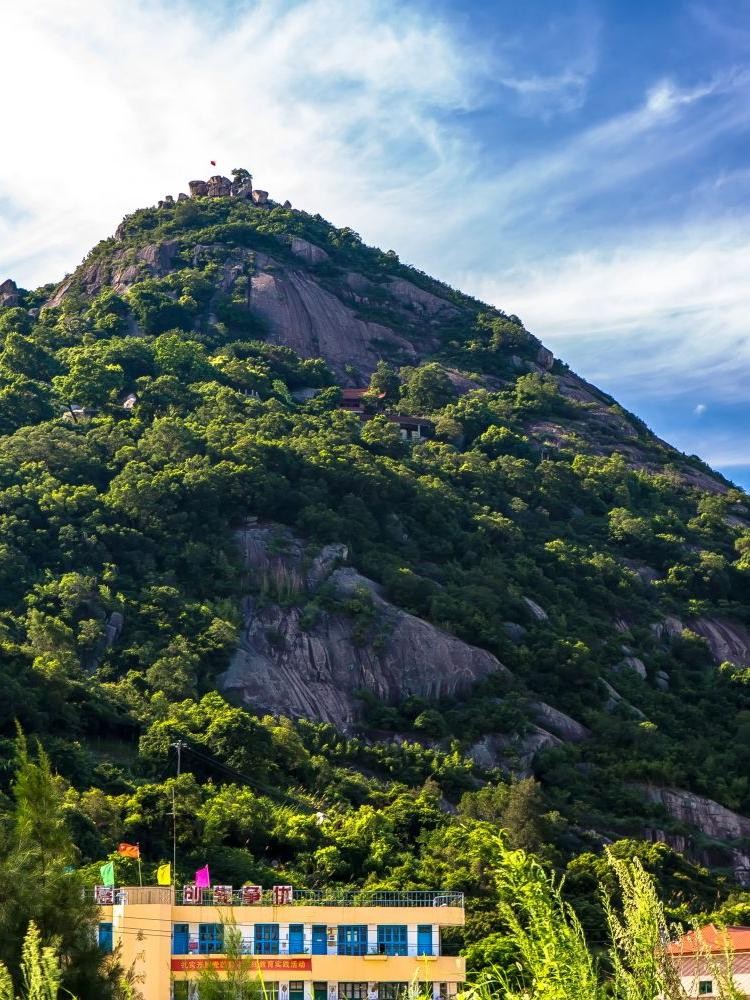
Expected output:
(178, 747)
(140, 875)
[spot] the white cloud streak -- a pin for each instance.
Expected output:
(669, 313)
(116, 103)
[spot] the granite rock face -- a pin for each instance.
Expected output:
(8, 293)
(291, 664)
(307, 251)
(303, 315)
(706, 815)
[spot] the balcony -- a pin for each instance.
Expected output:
(191, 945)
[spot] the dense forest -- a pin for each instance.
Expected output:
(147, 410)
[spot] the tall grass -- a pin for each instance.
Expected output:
(554, 961)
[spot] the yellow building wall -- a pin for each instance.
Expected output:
(142, 932)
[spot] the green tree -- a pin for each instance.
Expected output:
(426, 388)
(38, 883)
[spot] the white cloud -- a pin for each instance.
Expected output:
(700, 409)
(116, 103)
(665, 314)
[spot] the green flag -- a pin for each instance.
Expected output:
(107, 873)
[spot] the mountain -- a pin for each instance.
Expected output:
(478, 570)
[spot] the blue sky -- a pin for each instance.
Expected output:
(584, 165)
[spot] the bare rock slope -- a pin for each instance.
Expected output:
(315, 664)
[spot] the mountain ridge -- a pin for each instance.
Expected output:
(187, 378)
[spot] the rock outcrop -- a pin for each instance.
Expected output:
(8, 293)
(726, 640)
(307, 251)
(537, 611)
(297, 662)
(711, 818)
(514, 754)
(303, 315)
(728, 828)
(557, 722)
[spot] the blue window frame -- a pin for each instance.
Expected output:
(352, 939)
(424, 939)
(319, 939)
(266, 939)
(392, 939)
(180, 939)
(105, 937)
(296, 939)
(210, 939)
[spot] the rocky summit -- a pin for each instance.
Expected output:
(392, 572)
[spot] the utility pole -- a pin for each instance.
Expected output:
(179, 746)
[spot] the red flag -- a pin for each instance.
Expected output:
(129, 850)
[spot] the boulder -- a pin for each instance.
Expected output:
(287, 204)
(632, 663)
(307, 251)
(113, 628)
(198, 189)
(260, 197)
(557, 722)
(169, 200)
(8, 293)
(182, 196)
(661, 680)
(515, 632)
(536, 610)
(219, 187)
(545, 358)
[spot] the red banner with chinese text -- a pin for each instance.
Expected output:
(269, 964)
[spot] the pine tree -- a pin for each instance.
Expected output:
(38, 883)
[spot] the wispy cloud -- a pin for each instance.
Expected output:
(667, 312)
(118, 102)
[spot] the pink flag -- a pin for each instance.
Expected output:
(202, 878)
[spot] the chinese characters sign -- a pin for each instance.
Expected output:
(261, 964)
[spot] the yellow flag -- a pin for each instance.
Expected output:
(164, 874)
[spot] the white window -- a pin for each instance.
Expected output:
(353, 991)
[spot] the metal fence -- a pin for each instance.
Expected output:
(228, 896)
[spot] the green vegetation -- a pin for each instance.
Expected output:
(112, 514)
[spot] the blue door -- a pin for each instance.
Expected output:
(296, 939)
(424, 939)
(319, 940)
(180, 939)
(105, 937)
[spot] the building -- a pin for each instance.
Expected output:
(304, 944)
(703, 957)
(353, 400)
(412, 428)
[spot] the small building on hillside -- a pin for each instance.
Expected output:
(353, 400)
(412, 428)
(703, 958)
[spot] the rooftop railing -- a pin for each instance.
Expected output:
(224, 895)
